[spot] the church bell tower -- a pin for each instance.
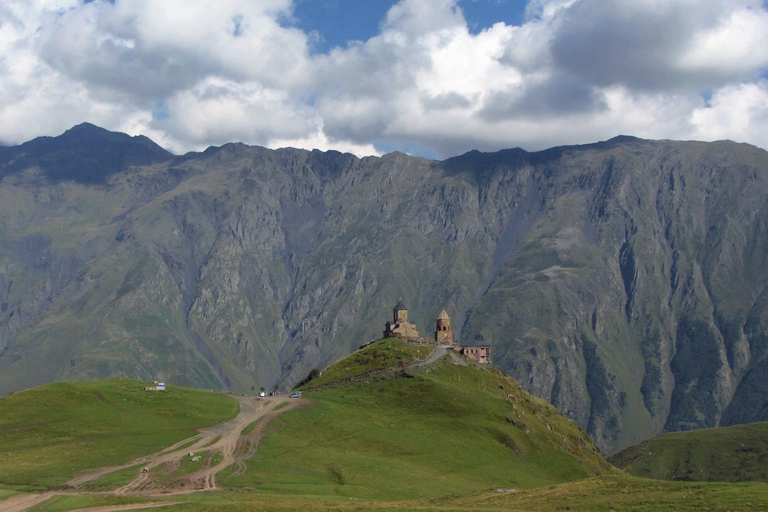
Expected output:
(443, 332)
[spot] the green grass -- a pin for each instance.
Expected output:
(441, 437)
(626, 494)
(732, 454)
(444, 430)
(382, 354)
(112, 481)
(193, 441)
(247, 430)
(65, 503)
(51, 433)
(601, 494)
(6, 494)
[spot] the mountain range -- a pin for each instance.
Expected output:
(624, 281)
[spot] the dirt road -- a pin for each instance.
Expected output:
(220, 447)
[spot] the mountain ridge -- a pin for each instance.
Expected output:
(624, 281)
(85, 153)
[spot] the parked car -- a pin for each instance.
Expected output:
(296, 394)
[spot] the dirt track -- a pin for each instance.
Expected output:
(225, 441)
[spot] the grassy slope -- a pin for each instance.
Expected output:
(592, 495)
(732, 454)
(441, 430)
(626, 494)
(383, 354)
(51, 433)
(434, 438)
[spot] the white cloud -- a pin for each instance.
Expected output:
(34, 98)
(738, 45)
(319, 140)
(151, 49)
(191, 73)
(217, 111)
(413, 18)
(738, 112)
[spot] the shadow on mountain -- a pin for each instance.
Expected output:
(85, 153)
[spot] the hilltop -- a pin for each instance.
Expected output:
(732, 454)
(623, 281)
(383, 425)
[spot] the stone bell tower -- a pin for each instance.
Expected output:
(400, 313)
(443, 332)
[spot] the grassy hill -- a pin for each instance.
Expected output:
(380, 430)
(386, 354)
(732, 454)
(51, 433)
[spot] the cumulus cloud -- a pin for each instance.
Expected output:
(737, 112)
(219, 111)
(193, 73)
(151, 49)
(658, 45)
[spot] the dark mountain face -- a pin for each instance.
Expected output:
(84, 154)
(623, 281)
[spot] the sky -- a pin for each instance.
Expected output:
(433, 78)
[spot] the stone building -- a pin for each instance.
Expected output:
(400, 327)
(480, 354)
(443, 332)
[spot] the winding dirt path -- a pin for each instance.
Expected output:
(224, 441)
(20, 502)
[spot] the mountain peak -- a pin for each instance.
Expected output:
(85, 153)
(624, 138)
(87, 127)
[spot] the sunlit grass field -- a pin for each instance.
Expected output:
(387, 353)
(441, 430)
(51, 433)
(601, 494)
(438, 438)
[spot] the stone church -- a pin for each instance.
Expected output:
(400, 327)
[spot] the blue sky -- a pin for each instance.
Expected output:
(339, 21)
(434, 78)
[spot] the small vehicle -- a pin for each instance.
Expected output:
(262, 394)
(296, 394)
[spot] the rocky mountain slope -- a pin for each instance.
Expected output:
(624, 281)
